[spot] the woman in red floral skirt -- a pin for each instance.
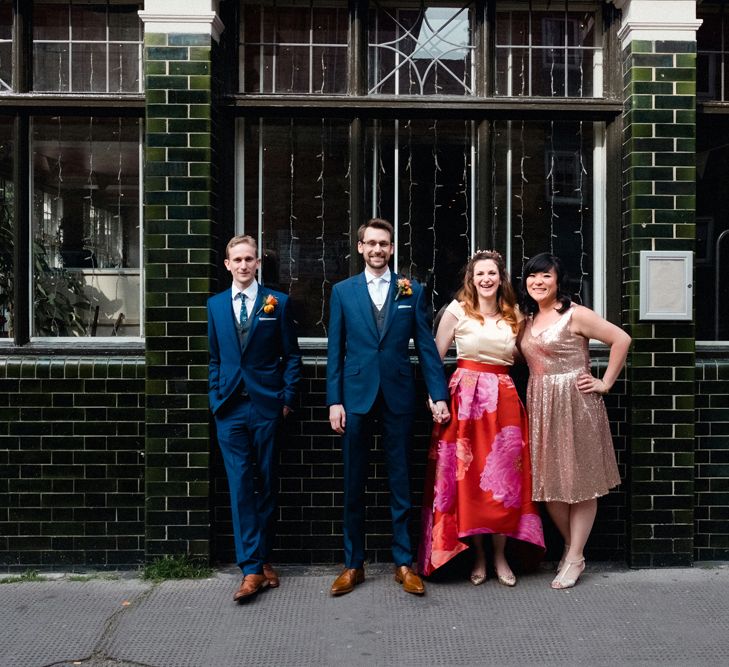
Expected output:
(478, 478)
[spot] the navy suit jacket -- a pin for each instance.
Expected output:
(362, 361)
(270, 363)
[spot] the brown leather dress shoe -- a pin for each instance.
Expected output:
(250, 586)
(271, 575)
(411, 582)
(347, 580)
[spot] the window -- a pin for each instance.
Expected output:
(86, 240)
(70, 179)
(548, 53)
(421, 51)
(83, 46)
(294, 48)
(712, 172)
(413, 140)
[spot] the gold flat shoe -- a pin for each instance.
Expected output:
(477, 579)
(509, 580)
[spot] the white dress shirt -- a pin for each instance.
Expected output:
(378, 287)
(251, 293)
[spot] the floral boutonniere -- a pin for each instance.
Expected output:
(269, 303)
(404, 288)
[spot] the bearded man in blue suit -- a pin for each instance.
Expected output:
(255, 365)
(373, 317)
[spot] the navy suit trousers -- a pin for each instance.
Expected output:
(356, 442)
(247, 442)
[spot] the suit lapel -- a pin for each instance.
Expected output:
(391, 304)
(227, 318)
(362, 295)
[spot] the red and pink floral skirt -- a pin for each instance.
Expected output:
(478, 478)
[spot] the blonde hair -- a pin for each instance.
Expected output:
(241, 238)
(505, 295)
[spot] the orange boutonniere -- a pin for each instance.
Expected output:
(269, 303)
(404, 288)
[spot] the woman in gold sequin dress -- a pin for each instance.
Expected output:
(478, 478)
(573, 460)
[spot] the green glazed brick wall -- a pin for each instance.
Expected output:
(712, 459)
(71, 461)
(659, 211)
(180, 233)
(311, 485)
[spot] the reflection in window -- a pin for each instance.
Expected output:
(712, 68)
(419, 175)
(421, 51)
(294, 49)
(86, 236)
(552, 52)
(296, 192)
(712, 227)
(6, 45)
(7, 220)
(543, 182)
(87, 46)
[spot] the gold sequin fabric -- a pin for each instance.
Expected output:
(573, 458)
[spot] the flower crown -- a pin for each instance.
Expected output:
(493, 253)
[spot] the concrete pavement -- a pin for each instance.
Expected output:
(614, 616)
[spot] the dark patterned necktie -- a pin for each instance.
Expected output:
(243, 317)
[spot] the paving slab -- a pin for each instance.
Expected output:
(615, 616)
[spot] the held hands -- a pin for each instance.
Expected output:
(440, 411)
(588, 384)
(337, 418)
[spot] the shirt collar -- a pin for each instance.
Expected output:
(251, 291)
(387, 276)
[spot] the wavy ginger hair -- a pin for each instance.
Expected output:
(505, 295)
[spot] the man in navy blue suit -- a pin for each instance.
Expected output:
(255, 365)
(373, 317)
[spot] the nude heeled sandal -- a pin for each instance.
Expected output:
(561, 581)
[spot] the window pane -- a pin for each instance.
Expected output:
(426, 51)
(50, 66)
(419, 177)
(543, 196)
(124, 23)
(712, 45)
(86, 47)
(51, 21)
(6, 45)
(548, 53)
(86, 250)
(297, 186)
(294, 49)
(7, 222)
(89, 67)
(88, 22)
(712, 227)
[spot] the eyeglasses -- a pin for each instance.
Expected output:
(374, 244)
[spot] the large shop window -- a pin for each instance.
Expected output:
(294, 176)
(70, 216)
(81, 46)
(86, 227)
(712, 173)
(449, 180)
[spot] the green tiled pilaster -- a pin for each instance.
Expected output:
(180, 267)
(659, 201)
